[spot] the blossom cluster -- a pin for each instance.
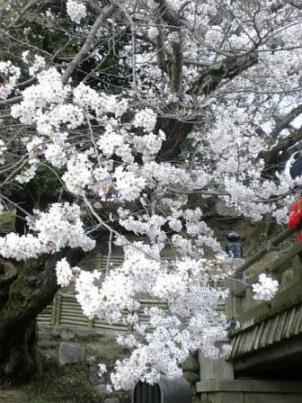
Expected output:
(182, 285)
(3, 148)
(152, 159)
(76, 10)
(265, 289)
(52, 231)
(36, 65)
(10, 75)
(64, 272)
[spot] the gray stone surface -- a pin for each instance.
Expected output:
(191, 364)
(55, 331)
(250, 391)
(92, 360)
(48, 344)
(215, 369)
(101, 388)
(112, 400)
(191, 377)
(223, 210)
(70, 353)
(94, 377)
(67, 334)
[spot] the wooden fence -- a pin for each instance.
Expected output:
(66, 311)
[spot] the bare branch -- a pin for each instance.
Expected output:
(282, 3)
(11, 100)
(167, 14)
(113, 231)
(26, 8)
(177, 64)
(285, 122)
(212, 75)
(161, 54)
(209, 79)
(271, 156)
(87, 44)
(296, 3)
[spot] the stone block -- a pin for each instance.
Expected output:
(191, 364)
(70, 353)
(102, 389)
(94, 377)
(191, 377)
(218, 369)
(224, 210)
(67, 334)
(92, 360)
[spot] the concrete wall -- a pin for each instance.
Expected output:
(217, 385)
(249, 391)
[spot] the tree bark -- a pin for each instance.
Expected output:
(208, 81)
(24, 292)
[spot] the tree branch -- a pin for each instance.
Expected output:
(11, 100)
(296, 3)
(282, 3)
(271, 156)
(228, 68)
(24, 10)
(87, 44)
(177, 64)
(208, 80)
(285, 122)
(167, 14)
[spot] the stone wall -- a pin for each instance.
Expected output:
(250, 391)
(218, 385)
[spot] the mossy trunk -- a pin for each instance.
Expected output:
(25, 290)
(19, 355)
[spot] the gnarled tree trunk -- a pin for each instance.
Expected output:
(25, 290)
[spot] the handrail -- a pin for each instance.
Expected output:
(275, 242)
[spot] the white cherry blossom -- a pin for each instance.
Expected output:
(265, 289)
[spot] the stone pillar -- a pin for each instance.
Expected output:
(210, 369)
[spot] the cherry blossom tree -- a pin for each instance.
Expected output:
(132, 118)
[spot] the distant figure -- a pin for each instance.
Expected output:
(233, 247)
(293, 166)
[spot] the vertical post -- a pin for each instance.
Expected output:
(58, 307)
(297, 269)
(53, 311)
(234, 249)
(235, 298)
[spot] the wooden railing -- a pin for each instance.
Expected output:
(241, 307)
(66, 311)
(270, 245)
(261, 324)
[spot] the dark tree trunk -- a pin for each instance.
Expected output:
(19, 355)
(25, 290)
